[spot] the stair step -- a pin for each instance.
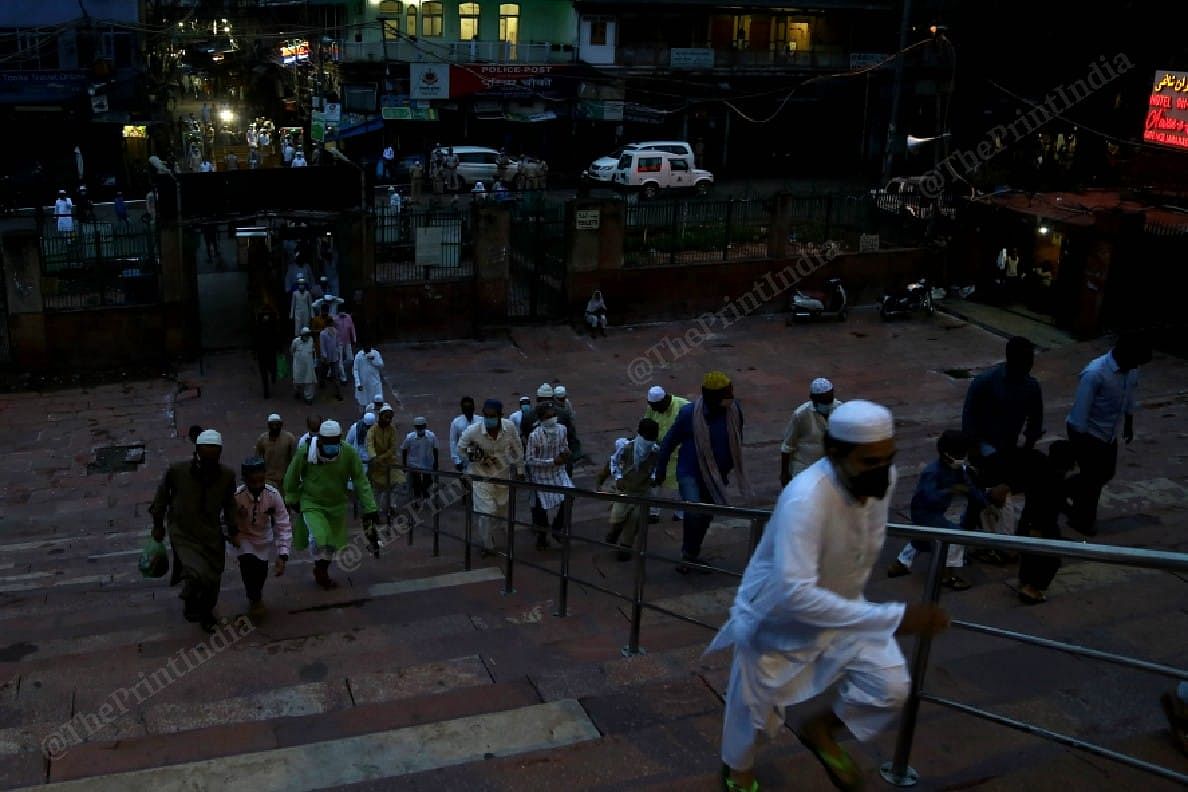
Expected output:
(378, 755)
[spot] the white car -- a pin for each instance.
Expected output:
(603, 168)
(479, 163)
(649, 172)
(903, 195)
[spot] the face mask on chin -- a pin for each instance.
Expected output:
(872, 483)
(490, 423)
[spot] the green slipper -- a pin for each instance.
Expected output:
(730, 786)
(841, 769)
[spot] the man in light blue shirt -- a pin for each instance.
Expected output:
(1104, 401)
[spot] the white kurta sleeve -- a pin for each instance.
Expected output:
(355, 369)
(797, 550)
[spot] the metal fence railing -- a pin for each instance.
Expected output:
(671, 233)
(418, 244)
(99, 265)
(456, 491)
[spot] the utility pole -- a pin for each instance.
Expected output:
(893, 136)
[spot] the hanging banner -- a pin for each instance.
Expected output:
(429, 80)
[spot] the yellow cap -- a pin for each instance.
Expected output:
(715, 380)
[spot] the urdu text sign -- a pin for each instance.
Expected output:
(1167, 110)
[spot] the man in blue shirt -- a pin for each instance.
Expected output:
(1105, 401)
(940, 482)
(709, 434)
(1003, 402)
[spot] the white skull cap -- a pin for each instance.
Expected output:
(369, 419)
(209, 437)
(560, 391)
(274, 417)
(820, 385)
(419, 421)
(330, 429)
(861, 422)
(379, 397)
(386, 408)
(656, 393)
(545, 391)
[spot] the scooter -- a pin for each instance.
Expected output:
(916, 296)
(827, 303)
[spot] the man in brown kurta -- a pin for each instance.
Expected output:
(276, 447)
(190, 500)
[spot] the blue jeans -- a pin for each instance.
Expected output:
(696, 524)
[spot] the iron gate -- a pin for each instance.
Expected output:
(537, 266)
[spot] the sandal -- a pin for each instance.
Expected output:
(843, 772)
(731, 786)
(1031, 599)
(955, 583)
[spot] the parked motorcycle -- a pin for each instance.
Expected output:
(906, 300)
(829, 302)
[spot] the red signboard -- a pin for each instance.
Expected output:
(506, 80)
(1167, 110)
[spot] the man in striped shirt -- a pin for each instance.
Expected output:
(546, 456)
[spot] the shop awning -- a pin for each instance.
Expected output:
(374, 125)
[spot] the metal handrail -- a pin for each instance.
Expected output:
(896, 772)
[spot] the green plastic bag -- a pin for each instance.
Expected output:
(154, 560)
(282, 365)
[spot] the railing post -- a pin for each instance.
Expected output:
(756, 535)
(897, 772)
(674, 235)
(509, 577)
(633, 647)
(726, 239)
(436, 503)
(828, 216)
(468, 502)
(567, 520)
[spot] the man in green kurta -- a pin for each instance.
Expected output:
(190, 500)
(316, 486)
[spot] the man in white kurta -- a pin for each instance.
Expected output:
(800, 622)
(369, 378)
(804, 436)
(304, 366)
(494, 449)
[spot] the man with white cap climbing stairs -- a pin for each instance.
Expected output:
(800, 622)
(316, 486)
(196, 499)
(804, 437)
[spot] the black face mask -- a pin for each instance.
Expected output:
(871, 483)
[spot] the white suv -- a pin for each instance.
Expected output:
(603, 168)
(652, 171)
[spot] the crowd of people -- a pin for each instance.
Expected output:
(800, 622)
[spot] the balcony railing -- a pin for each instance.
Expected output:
(435, 50)
(658, 56)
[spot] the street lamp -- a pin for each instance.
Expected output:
(226, 115)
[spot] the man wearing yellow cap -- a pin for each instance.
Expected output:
(800, 622)
(708, 434)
